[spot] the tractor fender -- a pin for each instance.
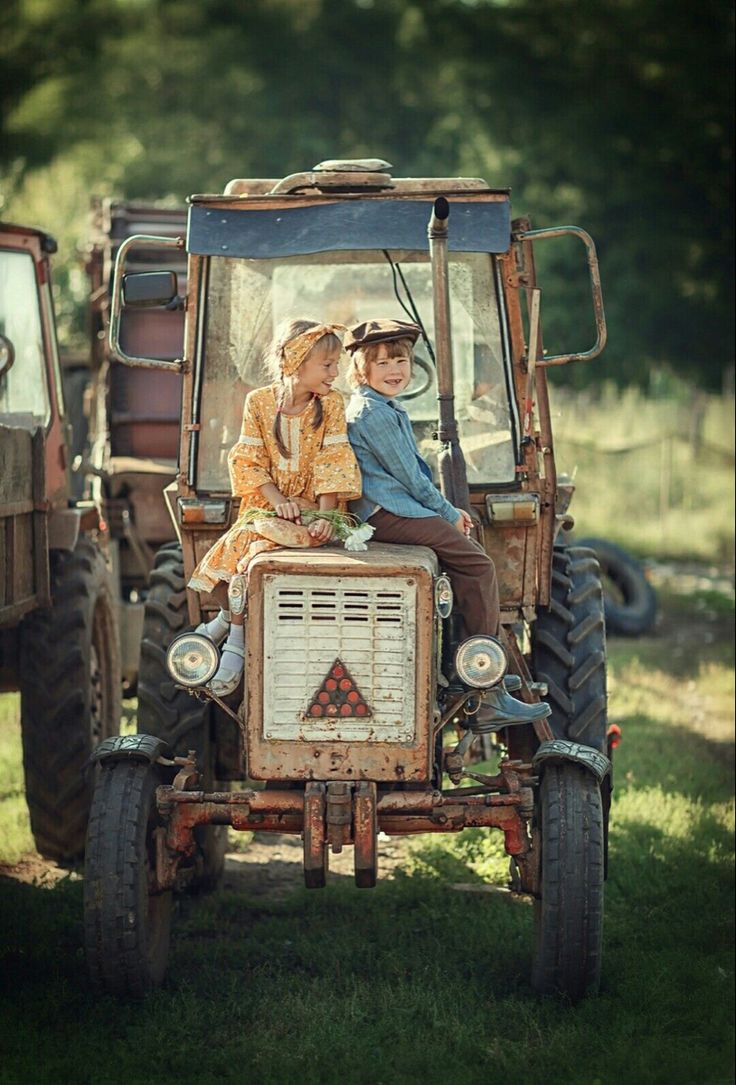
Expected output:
(129, 748)
(561, 749)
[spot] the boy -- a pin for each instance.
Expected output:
(400, 500)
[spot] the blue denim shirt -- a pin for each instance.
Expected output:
(395, 477)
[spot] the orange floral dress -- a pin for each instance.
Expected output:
(321, 461)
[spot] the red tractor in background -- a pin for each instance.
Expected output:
(58, 610)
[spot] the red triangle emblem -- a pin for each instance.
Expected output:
(338, 697)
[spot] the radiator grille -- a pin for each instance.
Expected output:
(370, 625)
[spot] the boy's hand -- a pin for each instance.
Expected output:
(288, 510)
(464, 523)
(320, 530)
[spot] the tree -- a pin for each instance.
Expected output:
(615, 113)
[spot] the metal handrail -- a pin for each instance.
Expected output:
(595, 285)
(116, 307)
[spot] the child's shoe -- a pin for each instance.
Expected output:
(498, 709)
(230, 671)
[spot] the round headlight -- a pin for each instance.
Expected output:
(192, 659)
(443, 596)
(481, 662)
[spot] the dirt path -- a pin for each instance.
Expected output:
(271, 867)
(34, 870)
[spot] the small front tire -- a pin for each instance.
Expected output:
(569, 913)
(127, 922)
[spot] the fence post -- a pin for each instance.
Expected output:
(665, 479)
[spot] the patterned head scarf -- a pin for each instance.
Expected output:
(297, 349)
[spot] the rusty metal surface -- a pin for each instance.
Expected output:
(453, 819)
(275, 759)
(315, 836)
(543, 448)
(24, 559)
(404, 188)
(513, 549)
(365, 835)
(342, 813)
(338, 815)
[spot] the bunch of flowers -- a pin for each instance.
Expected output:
(353, 533)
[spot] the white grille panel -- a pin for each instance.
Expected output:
(370, 626)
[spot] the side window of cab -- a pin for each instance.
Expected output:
(23, 387)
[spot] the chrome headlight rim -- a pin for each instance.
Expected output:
(444, 598)
(192, 660)
(489, 658)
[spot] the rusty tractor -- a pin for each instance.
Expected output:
(348, 241)
(58, 621)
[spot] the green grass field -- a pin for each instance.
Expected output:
(653, 473)
(424, 979)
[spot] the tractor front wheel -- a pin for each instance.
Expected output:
(569, 911)
(127, 919)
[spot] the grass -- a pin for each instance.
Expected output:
(16, 829)
(418, 981)
(653, 474)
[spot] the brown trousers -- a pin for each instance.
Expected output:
(471, 572)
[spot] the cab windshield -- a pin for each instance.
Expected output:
(247, 299)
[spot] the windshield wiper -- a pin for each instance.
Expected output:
(413, 313)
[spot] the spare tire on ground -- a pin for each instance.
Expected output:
(629, 600)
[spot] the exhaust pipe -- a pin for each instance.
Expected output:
(451, 462)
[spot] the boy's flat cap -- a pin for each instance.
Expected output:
(379, 331)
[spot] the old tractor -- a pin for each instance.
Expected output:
(360, 703)
(58, 620)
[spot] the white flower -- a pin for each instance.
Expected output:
(357, 537)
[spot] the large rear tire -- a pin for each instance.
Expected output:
(569, 649)
(569, 913)
(70, 697)
(184, 722)
(126, 922)
(164, 710)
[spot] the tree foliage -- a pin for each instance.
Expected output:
(615, 114)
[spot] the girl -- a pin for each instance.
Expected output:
(293, 454)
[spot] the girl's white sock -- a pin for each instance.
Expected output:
(236, 637)
(217, 627)
(231, 663)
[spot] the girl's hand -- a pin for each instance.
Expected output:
(464, 523)
(288, 510)
(320, 530)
